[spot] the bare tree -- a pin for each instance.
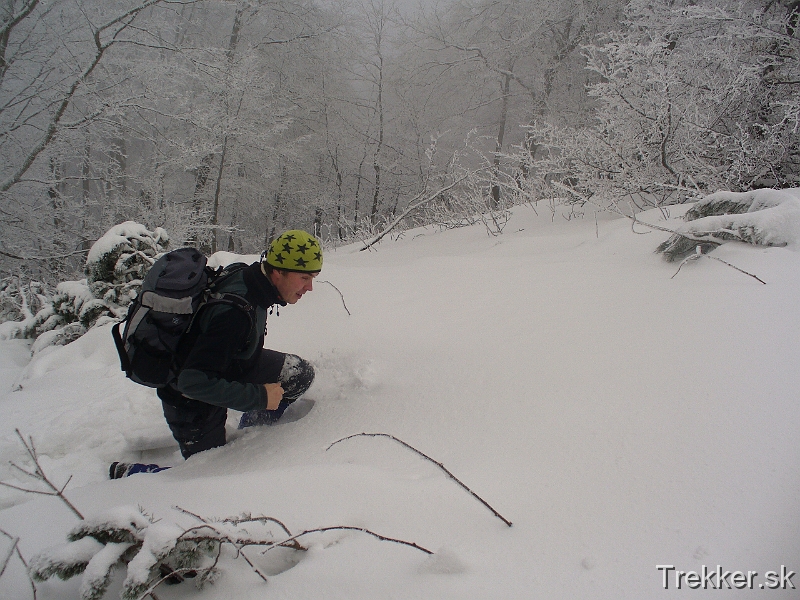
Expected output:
(692, 97)
(55, 84)
(506, 60)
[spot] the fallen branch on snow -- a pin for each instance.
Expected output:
(340, 295)
(426, 457)
(699, 254)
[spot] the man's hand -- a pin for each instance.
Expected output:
(274, 395)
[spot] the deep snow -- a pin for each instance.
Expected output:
(620, 417)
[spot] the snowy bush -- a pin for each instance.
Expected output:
(20, 301)
(70, 312)
(763, 217)
(115, 267)
(123, 535)
(63, 318)
(159, 551)
(118, 261)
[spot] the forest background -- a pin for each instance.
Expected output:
(131, 126)
(225, 122)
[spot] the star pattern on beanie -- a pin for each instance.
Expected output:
(295, 250)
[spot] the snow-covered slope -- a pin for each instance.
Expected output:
(622, 419)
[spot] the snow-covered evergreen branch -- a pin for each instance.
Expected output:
(163, 551)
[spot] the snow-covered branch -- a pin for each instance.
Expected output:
(763, 217)
(159, 551)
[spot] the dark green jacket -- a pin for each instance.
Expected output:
(227, 346)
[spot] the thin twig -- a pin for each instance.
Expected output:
(236, 521)
(248, 518)
(684, 261)
(15, 547)
(193, 535)
(151, 590)
(11, 550)
(438, 464)
(191, 514)
(38, 474)
(699, 255)
(222, 538)
(340, 294)
(737, 268)
(252, 566)
(382, 538)
(634, 221)
(262, 520)
(26, 490)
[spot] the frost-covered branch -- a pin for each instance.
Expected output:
(418, 201)
(43, 258)
(112, 28)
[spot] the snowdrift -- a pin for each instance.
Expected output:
(622, 419)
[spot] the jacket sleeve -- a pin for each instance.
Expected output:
(203, 376)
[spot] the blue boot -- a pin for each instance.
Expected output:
(118, 470)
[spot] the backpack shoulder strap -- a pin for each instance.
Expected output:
(217, 276)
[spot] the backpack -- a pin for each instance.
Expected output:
(159, 322)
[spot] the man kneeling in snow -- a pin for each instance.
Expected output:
(228, 367)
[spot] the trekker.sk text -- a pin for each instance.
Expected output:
(719, 579)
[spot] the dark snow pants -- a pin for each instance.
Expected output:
(199, 426)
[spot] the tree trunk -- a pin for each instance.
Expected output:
(376, 163)
(117, 182)
(495, 199)
(233, 42)
(218, 187)
(279, 201)
(56, 199)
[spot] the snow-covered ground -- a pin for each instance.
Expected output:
(621, 418)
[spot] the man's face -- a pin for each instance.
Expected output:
(292, 285)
